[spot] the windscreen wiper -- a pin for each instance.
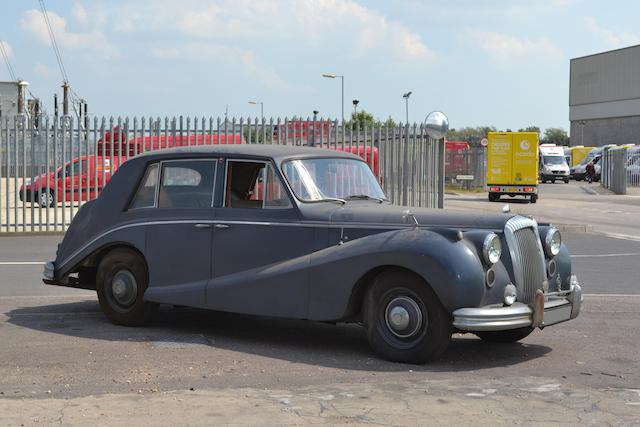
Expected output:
(365, 197)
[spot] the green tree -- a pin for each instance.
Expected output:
(473, 135)
(362, 118)
(535, 129)
(556, 136)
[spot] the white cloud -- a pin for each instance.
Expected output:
(91, 42)
(245, 59)
(45, 71)
(342, 25)
(611, 38)
(79, 14)
(504, 47)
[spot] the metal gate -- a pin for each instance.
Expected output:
(49, 167)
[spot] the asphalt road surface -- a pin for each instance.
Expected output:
(61, 362)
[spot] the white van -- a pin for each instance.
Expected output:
(553, 164)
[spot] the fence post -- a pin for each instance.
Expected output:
(440, 171)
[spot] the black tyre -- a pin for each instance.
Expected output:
(404, 319)
(578, 178)
(534, 198)
(46, 198)
(121, 280)
(494, 197)
(511, 335)
(553, 180)
(566, 180)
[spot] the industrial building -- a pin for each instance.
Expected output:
(604, 98)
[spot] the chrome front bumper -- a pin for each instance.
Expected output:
(548, 309)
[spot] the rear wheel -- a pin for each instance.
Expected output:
(511, 335)
(494, 197)
(404, 319)
(121, 281)
(534, 198)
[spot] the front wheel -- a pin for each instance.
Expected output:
(511, 335)
(121, 281)
(404, 319)
(46, 198)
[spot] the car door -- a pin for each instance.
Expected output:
(179, 231)
(261, 249)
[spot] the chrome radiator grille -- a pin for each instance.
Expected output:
(527, 256)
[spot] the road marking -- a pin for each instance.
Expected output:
(612, 295)
(606, 255)
(22, 263)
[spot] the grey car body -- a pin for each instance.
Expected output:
(316, 260)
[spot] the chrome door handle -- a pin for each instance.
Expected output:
(221, 226)
(202, 225)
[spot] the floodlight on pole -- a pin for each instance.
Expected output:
(406, 99)
(261, 107)
(335, 76)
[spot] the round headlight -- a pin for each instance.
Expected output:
(552, 242)
(492, 248)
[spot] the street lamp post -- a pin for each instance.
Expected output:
(261, 107)
(406, 99)
(355, 105)
(582, 123)
(333, 76)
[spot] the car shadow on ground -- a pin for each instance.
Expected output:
(342, 346)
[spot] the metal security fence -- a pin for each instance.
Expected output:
(621, 169)
(466, 168)
(50, 166)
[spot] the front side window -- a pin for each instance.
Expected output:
(330, 178)
(254, 185)
(187, 184)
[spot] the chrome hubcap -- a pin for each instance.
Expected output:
(45, 199)
(403, 317)
(124, 288)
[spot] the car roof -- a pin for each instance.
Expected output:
(277, 152)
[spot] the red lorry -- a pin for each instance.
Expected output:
(84, 180)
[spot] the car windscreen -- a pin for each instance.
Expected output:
(553, 160)
(331, 178)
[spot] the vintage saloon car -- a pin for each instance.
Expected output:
(307, 233)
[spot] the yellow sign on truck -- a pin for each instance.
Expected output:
(512, 165)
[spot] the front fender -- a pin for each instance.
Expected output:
(450, 266)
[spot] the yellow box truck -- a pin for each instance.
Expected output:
(512, 165)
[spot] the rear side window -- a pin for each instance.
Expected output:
(145, 197)
(187, 184)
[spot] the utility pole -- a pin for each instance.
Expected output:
(335, 76)
(355, 105)
(261, 107)
(65, 98)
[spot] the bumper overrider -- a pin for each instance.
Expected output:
(546, 309)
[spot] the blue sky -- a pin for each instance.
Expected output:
(501, 63)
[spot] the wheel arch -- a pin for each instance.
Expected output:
(88, 268)
(359, 290)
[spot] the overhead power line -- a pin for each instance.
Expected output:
(5, 55)
(54, 43)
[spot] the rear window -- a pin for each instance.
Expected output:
(145, 197)
(187, 184)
